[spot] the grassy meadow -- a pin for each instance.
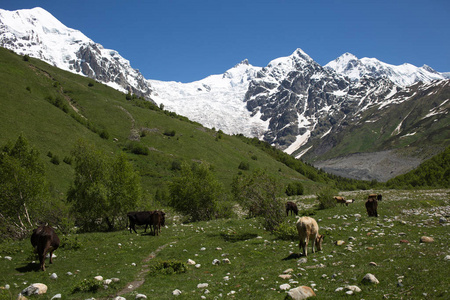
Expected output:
(405, 268)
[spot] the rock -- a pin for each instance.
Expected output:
(373, 264)
(140, 296)
(216, 262)
(57, 296)
(8, 257)
(285, 276)
(302, 260)
(190, 262)
(370, 278)
(339, 289)
(35, 289)
(202, 249)
(357, 216)
(99, 278)
(115, 280)
(54, 276)
(198, 266)
(176, 292)
(301, 292)
(426, 239)
(287, 271)
(202, 285)
(340, 243)
(404, 241)
(107, 281)
(353, 288)
(285, 287)
(218, 249)
(69, 273)
(447, 257)
(442, 220)
(226, 261)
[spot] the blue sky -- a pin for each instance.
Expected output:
(185, 40)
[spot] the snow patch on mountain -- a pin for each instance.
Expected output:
(403, 75)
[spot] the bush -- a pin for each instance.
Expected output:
(168, 267)
(169, 132)
(87, 286)
(326, 199)
(68, 160)
(286, 231)
(244, 166)
(294, 188)
(104, 134)
(55, 160)
(137, 148)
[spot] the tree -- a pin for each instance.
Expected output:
(259, 193)
(196, 192)
(103, 188)
(22, 183)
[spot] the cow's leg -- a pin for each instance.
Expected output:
(313, 243)
(305, 247)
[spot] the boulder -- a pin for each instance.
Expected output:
(285, 287)
(35, 289)
(140, 296)
(176, 292)
(426, 239)
(301, 292)
(370, 278)
(190, 262)
(353, 288)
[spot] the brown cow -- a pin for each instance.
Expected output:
(372, 205)
(158, 219)
(45, 240)
(308, 229)
(291, 206)
(340, 199)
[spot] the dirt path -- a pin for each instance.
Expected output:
(131, 286)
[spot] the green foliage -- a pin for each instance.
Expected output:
(286, 231)
(104, 188)
(244, 165)
(259, 193)
(325, 198)
(55, 160)
(26, 57)
(168, 267)
(137, 148)
(294, 188)
(196, 192)
(22, 183)
(87, 286)
(433, 173)
(169, 132)
(70, 242)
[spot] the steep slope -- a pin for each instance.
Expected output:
(53, 109)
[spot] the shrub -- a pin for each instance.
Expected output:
(90, 84)
(70, 242)
(168, 267)
(176, 165)
(26, 57)
(244, 166)
(326, 199)
(137, 148)
(104, 134)
(286, 231)
(294, 188)
(169, 132)
(87, 286)
(68, 160)
(55, 160)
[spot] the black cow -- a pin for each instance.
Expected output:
(140, 218)
(291, 206)
(45, 240)
(372, 206)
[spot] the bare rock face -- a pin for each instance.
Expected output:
(301, 292)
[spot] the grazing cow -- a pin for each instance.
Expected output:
(340, 199)
(372, 205)
(347, 202)
(309, 230)
(44, 240)
(158, 220)
(291, 206)
(140, 218)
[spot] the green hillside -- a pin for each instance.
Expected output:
(53, 109)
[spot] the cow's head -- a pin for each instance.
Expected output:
(319, 241)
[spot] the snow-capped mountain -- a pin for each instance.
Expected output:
(403, 75)
(37, 33)
(291, 103)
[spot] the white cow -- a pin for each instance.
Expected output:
(309, 230)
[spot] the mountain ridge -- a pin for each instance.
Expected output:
(292, 103)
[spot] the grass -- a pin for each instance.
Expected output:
(258, 257)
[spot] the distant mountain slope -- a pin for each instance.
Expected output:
(308, 110)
